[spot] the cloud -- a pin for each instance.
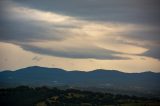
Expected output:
(129, 11)
(37, 58)
(75, 29)
(153, 52)
(144, 36)
(25, 24)
(80, 51)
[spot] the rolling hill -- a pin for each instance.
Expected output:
(110, 80)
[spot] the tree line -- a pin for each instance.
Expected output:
(44, 96)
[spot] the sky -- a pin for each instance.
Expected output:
(81, 35)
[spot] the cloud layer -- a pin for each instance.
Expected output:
(105, 29)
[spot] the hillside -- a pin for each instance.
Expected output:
(110, 80)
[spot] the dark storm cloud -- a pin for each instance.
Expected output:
(27, 31)
(19, 27)
(132, 11)
(129, 11)
(149, 35)
(153, 52)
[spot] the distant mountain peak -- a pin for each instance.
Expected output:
(59, 69)
(105, 70)
(39, 68)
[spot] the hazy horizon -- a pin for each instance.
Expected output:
(81, 70)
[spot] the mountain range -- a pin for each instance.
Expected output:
(110, 80)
